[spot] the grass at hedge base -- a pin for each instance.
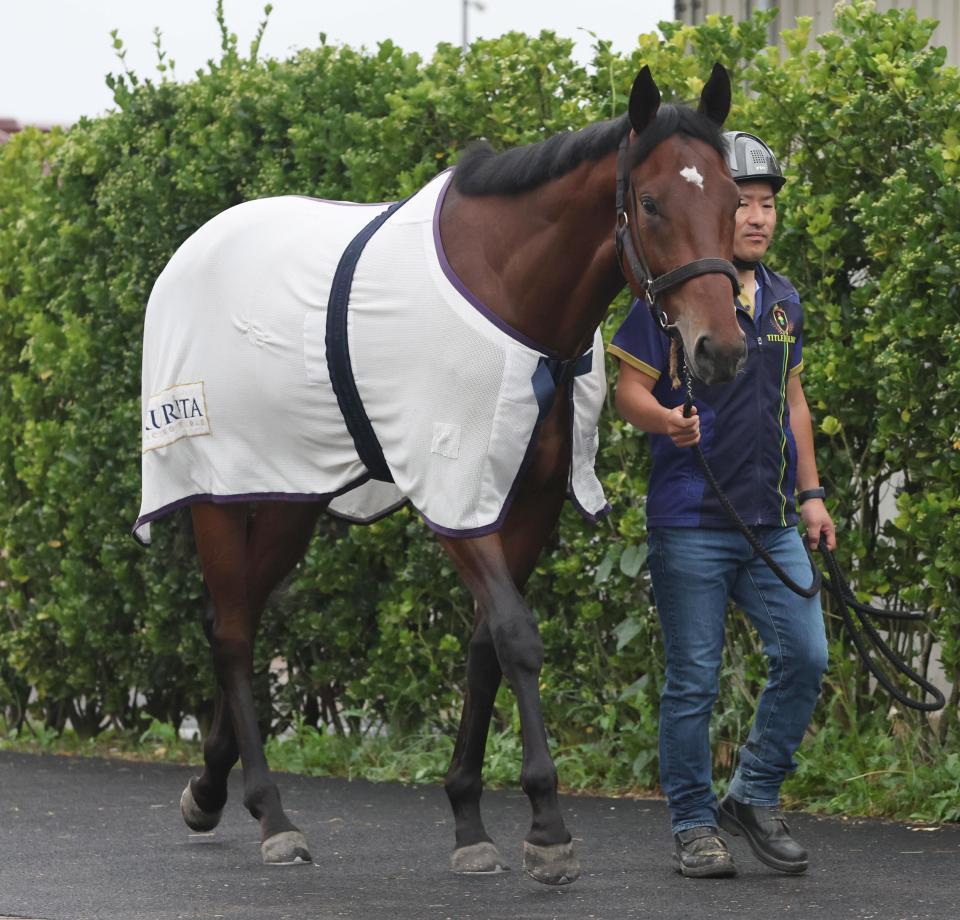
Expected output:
(838, 774)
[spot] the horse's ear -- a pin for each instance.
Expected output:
(644, 100)
(715, 98)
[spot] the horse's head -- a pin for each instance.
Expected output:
(680, 210)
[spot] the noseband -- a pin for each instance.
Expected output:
(651, 286)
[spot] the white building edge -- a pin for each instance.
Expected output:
(947, 12)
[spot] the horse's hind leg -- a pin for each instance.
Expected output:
(240, 571)
(204, 797)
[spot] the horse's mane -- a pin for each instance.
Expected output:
(483, 171)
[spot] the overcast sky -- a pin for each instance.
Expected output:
(54, 54)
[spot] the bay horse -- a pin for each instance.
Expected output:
(545, 236)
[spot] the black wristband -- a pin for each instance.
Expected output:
(807, 494)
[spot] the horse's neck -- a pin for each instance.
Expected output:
(543, 261)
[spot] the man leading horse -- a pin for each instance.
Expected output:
(758, 436)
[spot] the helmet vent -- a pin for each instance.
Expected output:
(759, 158)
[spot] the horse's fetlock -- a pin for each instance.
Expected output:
(538, 782)
(207, 797)
(220, 750)
(461, 787)
(257, 798)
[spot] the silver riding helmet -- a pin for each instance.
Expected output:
(751, 160)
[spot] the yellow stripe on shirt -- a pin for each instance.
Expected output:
(636, 363)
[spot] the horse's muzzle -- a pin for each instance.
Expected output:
(713, 363)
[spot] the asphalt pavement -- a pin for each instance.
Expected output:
(84, 839)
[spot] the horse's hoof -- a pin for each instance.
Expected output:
(197, 819)
(478, 859)
(552, 865)
(288, 848)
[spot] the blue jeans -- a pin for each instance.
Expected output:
(694, 572)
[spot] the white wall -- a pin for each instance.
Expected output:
(946, 11)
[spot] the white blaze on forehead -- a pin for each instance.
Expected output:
(692, 174)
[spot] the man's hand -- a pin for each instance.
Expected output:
(817, 520)
(684, 432)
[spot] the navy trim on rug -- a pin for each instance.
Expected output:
(338, 353)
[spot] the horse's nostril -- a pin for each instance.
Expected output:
(701, 350)
(717, 363)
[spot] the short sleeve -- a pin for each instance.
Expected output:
(796, 349)
(641, 343)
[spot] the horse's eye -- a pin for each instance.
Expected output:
(648, 204)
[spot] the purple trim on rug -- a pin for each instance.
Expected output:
(588, 515)
(241, 497)
(468, 532)
(507, 502)
(467, 295)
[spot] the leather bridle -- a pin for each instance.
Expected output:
(650, 285)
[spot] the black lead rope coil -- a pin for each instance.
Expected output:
(837, 586)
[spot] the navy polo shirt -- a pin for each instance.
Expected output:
(744, 425)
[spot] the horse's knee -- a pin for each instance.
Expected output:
(519, 646)
(232, 654)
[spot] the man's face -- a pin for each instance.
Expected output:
(756, 221)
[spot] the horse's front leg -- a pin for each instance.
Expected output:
(548, 851)
(475, 852)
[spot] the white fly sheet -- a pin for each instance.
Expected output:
(237, 399)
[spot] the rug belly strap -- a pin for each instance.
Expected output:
(552, 373)
(338, 353)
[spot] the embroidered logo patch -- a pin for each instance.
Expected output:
(177, 412)
(780, 318)
(781, 322)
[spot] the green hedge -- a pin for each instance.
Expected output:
(373, 626)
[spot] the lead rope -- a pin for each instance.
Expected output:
(837, 586)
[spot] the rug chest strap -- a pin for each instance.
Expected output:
(338, 353)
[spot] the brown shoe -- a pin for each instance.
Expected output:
(702, 853)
